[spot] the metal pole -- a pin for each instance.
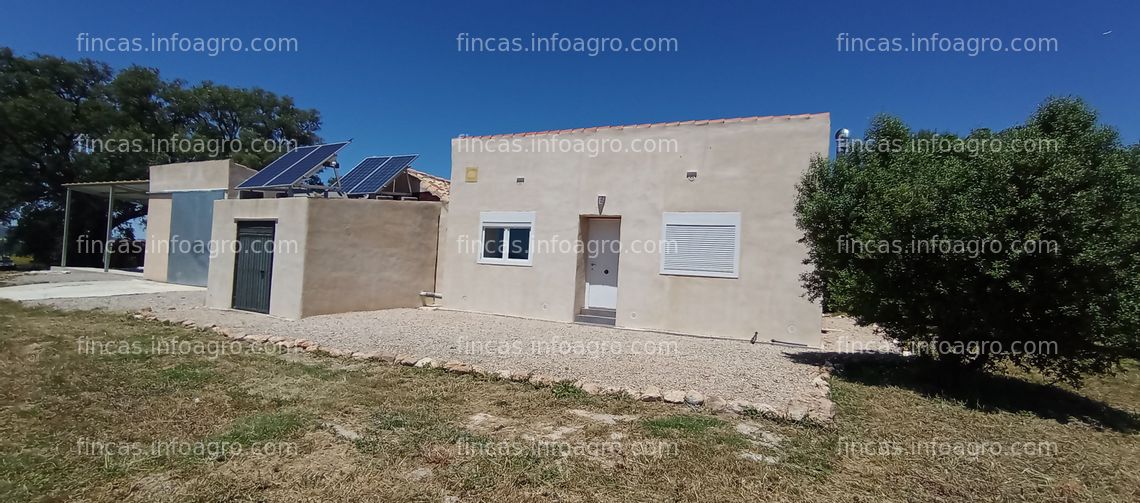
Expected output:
(66, 227)
(107, 242)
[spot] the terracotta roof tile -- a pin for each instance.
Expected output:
(440, 187)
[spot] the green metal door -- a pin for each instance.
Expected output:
(253, 266)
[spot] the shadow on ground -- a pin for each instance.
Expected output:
(977, 390)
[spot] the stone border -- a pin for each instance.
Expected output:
(819, 409)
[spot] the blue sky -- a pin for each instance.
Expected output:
(391, 75)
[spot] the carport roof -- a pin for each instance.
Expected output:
(124, 189)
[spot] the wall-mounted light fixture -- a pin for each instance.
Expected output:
(691, 175)
(520, 179)
(601, 203)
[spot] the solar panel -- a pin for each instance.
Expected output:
(307, 165)
(382, 175)
(361, 171)
(292, 167)
(262, 178)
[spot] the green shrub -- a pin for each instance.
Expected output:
(1024, 235)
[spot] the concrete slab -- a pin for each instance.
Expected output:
(61, 276)
(76, 289)
(118, 272)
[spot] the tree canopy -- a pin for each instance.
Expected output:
(67, 121)
(985, 241)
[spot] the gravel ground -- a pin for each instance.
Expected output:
(759, 373)
(842, 335)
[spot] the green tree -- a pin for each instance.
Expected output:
(57, 118)
(256, 119)
(1060, 182)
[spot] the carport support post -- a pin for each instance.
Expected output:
(66, 227)
(107, 242)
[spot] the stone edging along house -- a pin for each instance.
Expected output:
(682, 227)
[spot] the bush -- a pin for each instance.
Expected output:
(985, 243)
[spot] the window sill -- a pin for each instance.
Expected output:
(689, 274)
(503, 261)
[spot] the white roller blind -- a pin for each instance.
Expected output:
(701, 244)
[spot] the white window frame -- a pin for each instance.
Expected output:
(702, 218)
(508, 220)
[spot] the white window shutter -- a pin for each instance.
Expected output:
(701, 244)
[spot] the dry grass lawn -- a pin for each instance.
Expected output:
(143, 426)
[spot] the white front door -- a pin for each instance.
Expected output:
(603, 243)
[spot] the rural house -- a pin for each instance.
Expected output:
(696, 236)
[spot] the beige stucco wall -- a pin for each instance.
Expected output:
(157, 230)
(238, 174)
(441, 238)
(291, 215)
(749, 166)
(201, 175)
(364, 255)
(333, 255)
(166, 179)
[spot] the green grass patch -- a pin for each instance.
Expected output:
(568, 390)
(196, 372)
(385, 420)
(319, 371)
(686, 425)
(265, 427)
